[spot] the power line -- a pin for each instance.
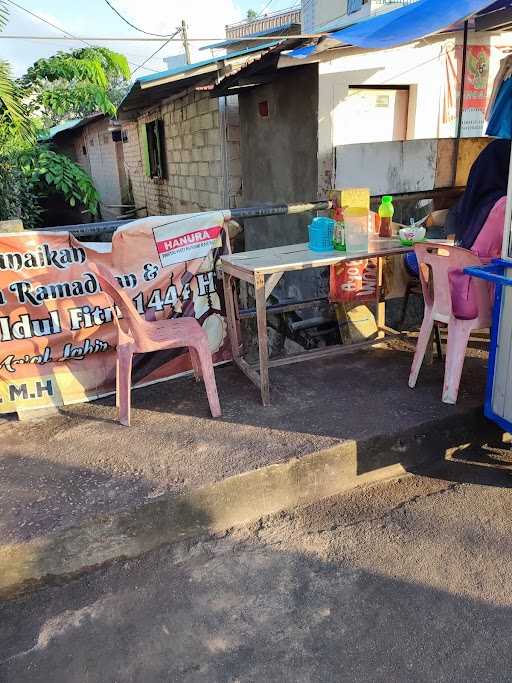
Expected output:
(265, 8)
(118, 39)
(159, 35)
(66, 33)
(155, 52)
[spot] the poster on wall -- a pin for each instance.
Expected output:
(477, 89)
(57, 334)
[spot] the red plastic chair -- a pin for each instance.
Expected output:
(437, 265)
(141, 336)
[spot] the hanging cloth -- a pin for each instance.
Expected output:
(504, 73)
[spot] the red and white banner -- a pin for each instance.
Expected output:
(354, 281)
(57, 336)
(185, 238)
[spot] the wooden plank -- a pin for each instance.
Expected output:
(236, 270)
(231, 315)
(329, 351)
(469, 149)
(271, 283)
(299, 257)
(446, 162)
(248, 371)
(381, 299)
(261, 316)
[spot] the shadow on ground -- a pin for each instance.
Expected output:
(410, 581)
(64, 470)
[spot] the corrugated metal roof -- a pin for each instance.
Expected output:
(235, 41)
(69, 125)
(185, 70)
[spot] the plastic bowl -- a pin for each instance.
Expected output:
(408, 236)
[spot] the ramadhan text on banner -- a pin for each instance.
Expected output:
(57, 335)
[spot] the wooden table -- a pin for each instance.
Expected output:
(263, 269)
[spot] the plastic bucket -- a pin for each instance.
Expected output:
(321, 232)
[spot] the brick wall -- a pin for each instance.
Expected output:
(202, 148)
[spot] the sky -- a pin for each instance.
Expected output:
(205, 18)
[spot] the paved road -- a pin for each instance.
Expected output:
(410, 580)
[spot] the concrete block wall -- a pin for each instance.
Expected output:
(103, 161)
(202, 146)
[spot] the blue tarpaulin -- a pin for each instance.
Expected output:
(403, 25)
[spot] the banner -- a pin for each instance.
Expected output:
(57, 335)
(354, 281)
(476, 88)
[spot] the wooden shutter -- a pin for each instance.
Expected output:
(143, 138)
(160, 146)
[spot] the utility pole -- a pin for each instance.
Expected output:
(185, 40)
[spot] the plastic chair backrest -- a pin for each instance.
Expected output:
(111, 287)
(435, 263)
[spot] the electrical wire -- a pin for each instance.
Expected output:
(155, 52)
(263, 10)
(158, 35)
(67, 33)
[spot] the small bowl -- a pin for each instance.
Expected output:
(409, 236)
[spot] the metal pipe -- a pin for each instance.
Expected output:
(279, 210)
(89, 229)
(463, 77)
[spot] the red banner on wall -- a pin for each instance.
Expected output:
(57, 336)
(476, 88)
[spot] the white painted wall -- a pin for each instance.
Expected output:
(417, 65)
(420, 65)
(324, 15)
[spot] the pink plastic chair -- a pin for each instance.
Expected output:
(437, 265)
(137, 335)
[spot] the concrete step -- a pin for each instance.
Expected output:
(333, 425)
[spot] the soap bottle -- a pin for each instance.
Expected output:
(386, 211)
(338, 239)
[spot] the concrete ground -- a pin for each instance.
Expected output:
(63, 471)
(408, 580)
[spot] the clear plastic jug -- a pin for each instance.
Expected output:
(356, 229)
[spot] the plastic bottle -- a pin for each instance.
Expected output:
(386, 211)
(338, 238)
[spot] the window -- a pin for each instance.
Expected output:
(119, 136)
(153, 143)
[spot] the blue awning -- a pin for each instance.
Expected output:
(401, 26)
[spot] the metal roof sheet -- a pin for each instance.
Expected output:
(235, 41)
(185, 70)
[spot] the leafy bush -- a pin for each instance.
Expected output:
(17, 196)
(49, 171)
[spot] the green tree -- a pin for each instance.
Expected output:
(251, 15)
(15, 123)
(73, 84)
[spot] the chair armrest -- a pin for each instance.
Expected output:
(492, 272)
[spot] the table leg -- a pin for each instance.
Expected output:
(381, 300)
(231, 315)
(261, 315)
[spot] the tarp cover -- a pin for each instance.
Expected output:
(402, 25)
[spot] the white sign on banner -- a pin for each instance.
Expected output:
(184, 240)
